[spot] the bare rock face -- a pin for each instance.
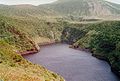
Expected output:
(85, 7)
(96, 7)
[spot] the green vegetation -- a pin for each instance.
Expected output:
(106, 43)
(12, 35)
(103, 39)
(71, 33)
(14, 40)
(13, 67)
(24, 27)
(30, 30)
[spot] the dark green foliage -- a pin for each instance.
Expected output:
(102, 38)
(104, 42)
(107, 38)
(71, 35)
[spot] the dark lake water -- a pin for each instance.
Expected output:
(73, 65)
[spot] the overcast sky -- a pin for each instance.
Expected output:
(36, 2)
(115, 1)
(33, 2)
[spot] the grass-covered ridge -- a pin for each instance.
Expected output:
(16, 40)
(34, 27)
(13, 67)
(25, 33)
(15, 37)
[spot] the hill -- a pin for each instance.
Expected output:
(64, 8)
(90, 8)
(25, 10)
(15, 40)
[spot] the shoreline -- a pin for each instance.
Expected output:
(28, 52)
(77, 48)
(98, 57)
(60, 50)
(36, 51)
(48, 43)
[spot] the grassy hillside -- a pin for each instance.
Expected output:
(16, 37)
(14, 67)
(25, 11)
(35, 28)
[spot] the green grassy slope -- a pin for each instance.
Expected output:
(25, 11)
(13, 67)
(35, 28)
(16, 37)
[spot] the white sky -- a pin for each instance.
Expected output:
(33, 2)
(114, 1)
(36, 2)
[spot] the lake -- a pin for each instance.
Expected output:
(73, 65)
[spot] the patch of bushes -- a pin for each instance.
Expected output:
(102, 39)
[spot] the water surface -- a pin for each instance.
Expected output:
(73, 65)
